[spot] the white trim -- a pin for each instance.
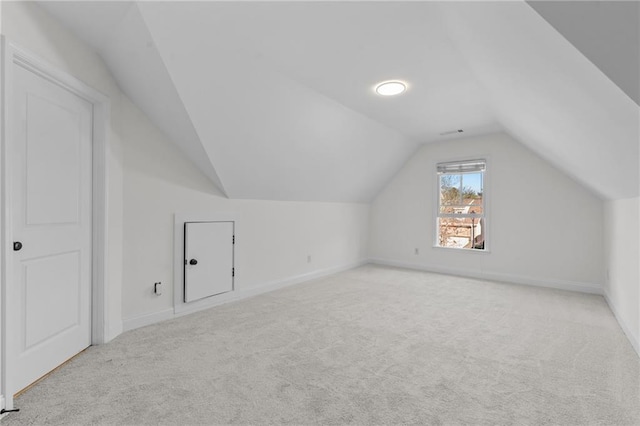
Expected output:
(13, 55)
(267, 287)
(210, 302)
(495, 276)
(115, 329)
(4, 214)
(623, 325)
(462, 250)
(147, 319)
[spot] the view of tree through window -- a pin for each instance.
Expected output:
(461, 219)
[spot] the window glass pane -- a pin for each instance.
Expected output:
(461, 232)
(450, 190)
(472, 189)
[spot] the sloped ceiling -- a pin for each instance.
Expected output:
(606, 32)
(550, 96)
(275, 100)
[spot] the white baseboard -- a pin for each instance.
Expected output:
(146, 319)
(495, 276)
(152, 318)
(623, 325)
(277, 284)
(115, 329)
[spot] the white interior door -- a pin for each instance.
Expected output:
(208, 268)
(49, 291)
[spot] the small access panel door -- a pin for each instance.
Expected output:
(208, 264)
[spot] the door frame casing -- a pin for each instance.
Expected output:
(12, 56)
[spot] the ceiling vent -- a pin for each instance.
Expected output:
(451, 132)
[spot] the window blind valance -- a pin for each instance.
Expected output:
(470, 166)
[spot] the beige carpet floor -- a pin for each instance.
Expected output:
(373, 345)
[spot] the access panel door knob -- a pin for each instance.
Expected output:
(17, 245)
(193, 262)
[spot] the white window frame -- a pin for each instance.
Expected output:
(486, 196)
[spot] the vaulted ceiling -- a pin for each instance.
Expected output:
(606, 32)
(275, 100)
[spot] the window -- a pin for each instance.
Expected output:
(461, 212)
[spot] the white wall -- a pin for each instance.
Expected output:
(543, 227)
(622, 261)
(273, 238)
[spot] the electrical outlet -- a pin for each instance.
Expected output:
(416, 251)
(157, 288)
(309, 259)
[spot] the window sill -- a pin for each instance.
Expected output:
(463, 250)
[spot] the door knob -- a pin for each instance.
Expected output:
(17, 245)
(193, 262)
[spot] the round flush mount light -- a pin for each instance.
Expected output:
(390, 88)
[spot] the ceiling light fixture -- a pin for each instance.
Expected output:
(390, 88)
